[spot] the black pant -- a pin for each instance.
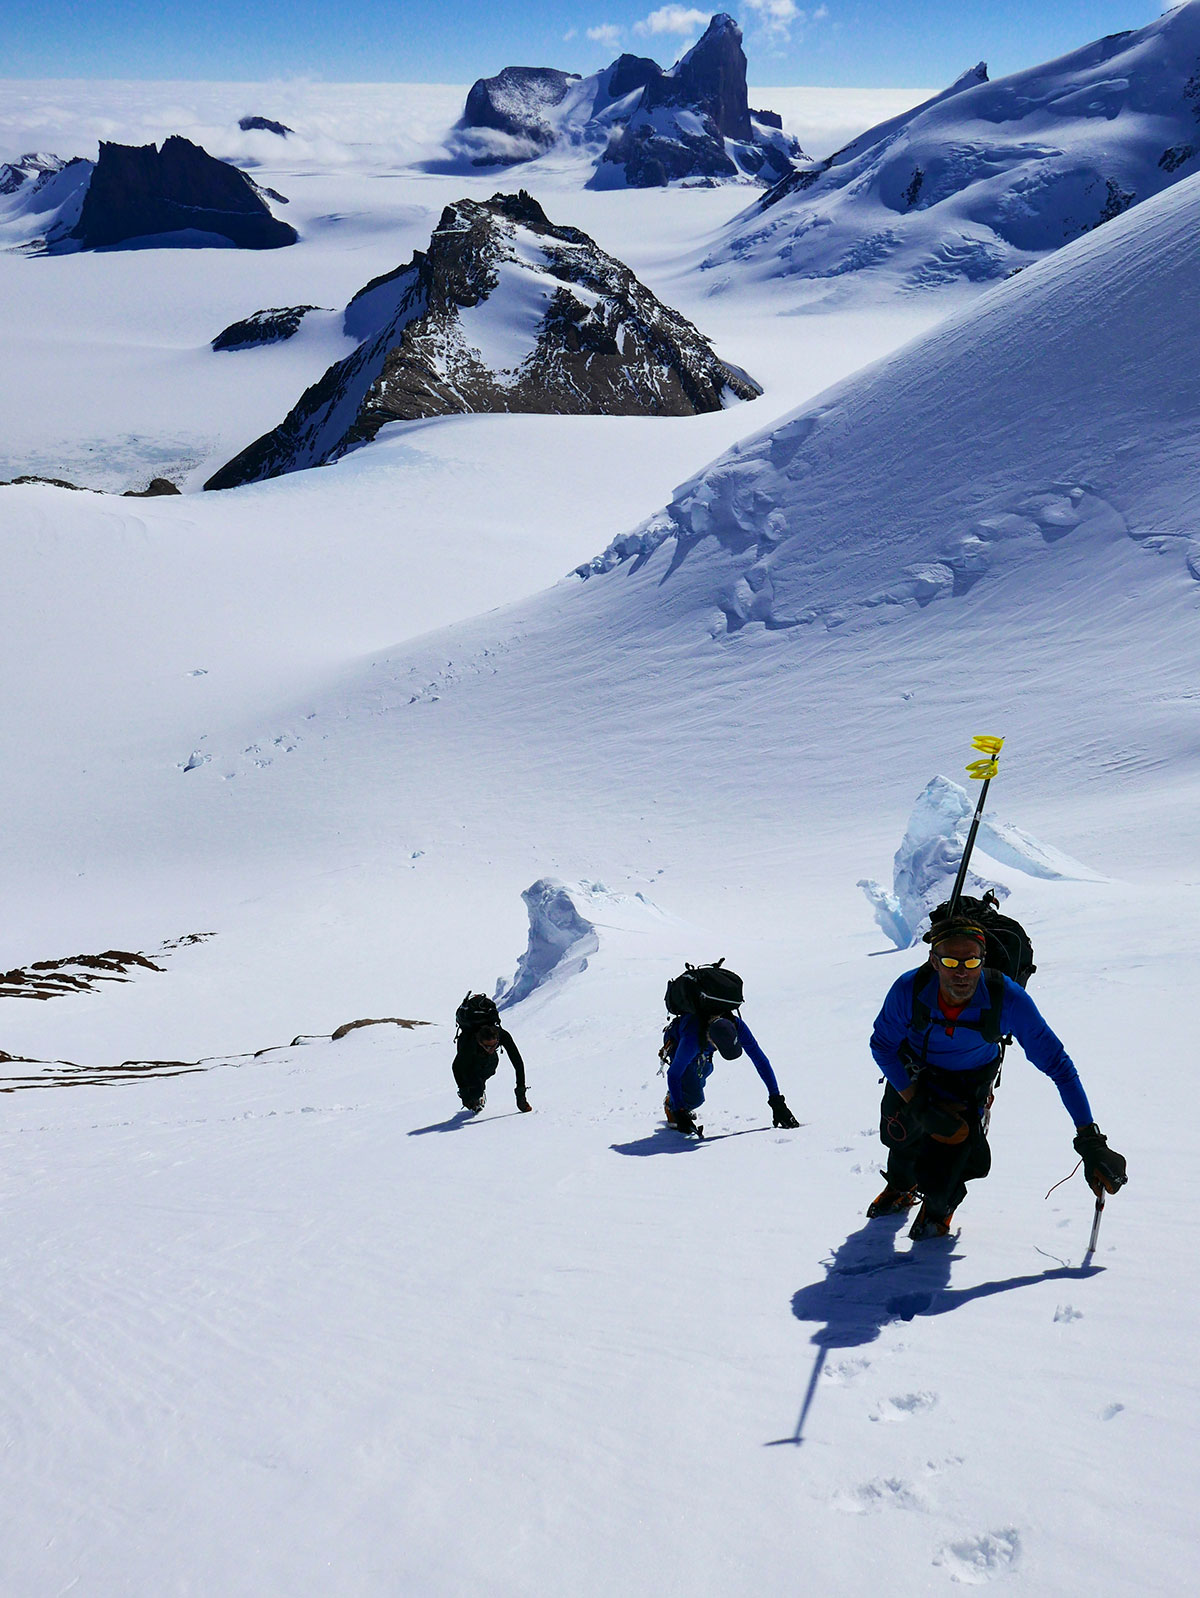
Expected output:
(916, 1135)
(471, 1079)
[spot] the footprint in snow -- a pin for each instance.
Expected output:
(1067, 1312)
(846, 1370)
(885, 1492)
(1111, 1411)
(903, 1407)
(978, 1559)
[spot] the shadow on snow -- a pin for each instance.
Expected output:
(462, 1118)
(666, 1140)
(868, 1284)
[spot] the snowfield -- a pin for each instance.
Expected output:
(278, 1320)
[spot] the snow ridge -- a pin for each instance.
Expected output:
(988, 176)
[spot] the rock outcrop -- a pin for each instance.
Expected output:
(503, 312)
(645, 127)
(263, 327)
(695, 121)
(515, 103)
(177, 194)
(256, 124)
(154, 489)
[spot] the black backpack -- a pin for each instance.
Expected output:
(476, 1011)
(705, 991)
(1008, 951)
(1008, 947)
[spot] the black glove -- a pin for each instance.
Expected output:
(1102, 1167)
(780, 1114)
(523, 1103)
(685, 1122)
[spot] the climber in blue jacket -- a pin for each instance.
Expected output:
(937, 1041)
(689, 1044)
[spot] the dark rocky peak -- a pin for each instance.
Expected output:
(30, 168)
(504, 312)
(264, 125)
(520, 207)
(711, 78)
(512, 100)
(139, 191)
(694, 122)
(630, 72)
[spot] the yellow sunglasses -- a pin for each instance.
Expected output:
(952, 964)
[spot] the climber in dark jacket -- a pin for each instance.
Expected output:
(937, 1042)
(476, 1060)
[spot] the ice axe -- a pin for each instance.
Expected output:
(1091, 1248)
(979, 771)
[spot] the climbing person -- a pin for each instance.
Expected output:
(704, 1003)
(939, 1041)
(479, 1038)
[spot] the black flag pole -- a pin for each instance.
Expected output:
(981, 771)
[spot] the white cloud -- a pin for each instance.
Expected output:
(607, 34)
(673, 19)
(569, 35)
(778, 17)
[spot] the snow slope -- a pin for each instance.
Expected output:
(987, 177)
(289, 1324)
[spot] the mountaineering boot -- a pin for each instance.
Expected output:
(682, 1120)
(892, 1201)
(928, 1224)
(474, 1105)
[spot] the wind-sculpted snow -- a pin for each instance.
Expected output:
(1056, 415)
(987, 177)
(564, 923)
(930, 854)
(560, 941)
(504, 312)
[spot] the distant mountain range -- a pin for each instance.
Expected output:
(644, 127)
(503, 312)
(986, 177)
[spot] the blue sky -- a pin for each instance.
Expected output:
(869, 43)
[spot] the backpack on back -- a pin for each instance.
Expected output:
(705, 991)
(1008, 946)
(1008, 951)
(476, 1011)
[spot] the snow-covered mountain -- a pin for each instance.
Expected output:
(134, 196)
(988, 176)
(28, 170)
(503, 312)
(264, 1285)
(1057, 412)
(644, 127)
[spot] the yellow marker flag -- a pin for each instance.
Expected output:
(984, 770)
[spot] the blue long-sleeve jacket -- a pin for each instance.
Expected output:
(691, 1042)
(950, 1046)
